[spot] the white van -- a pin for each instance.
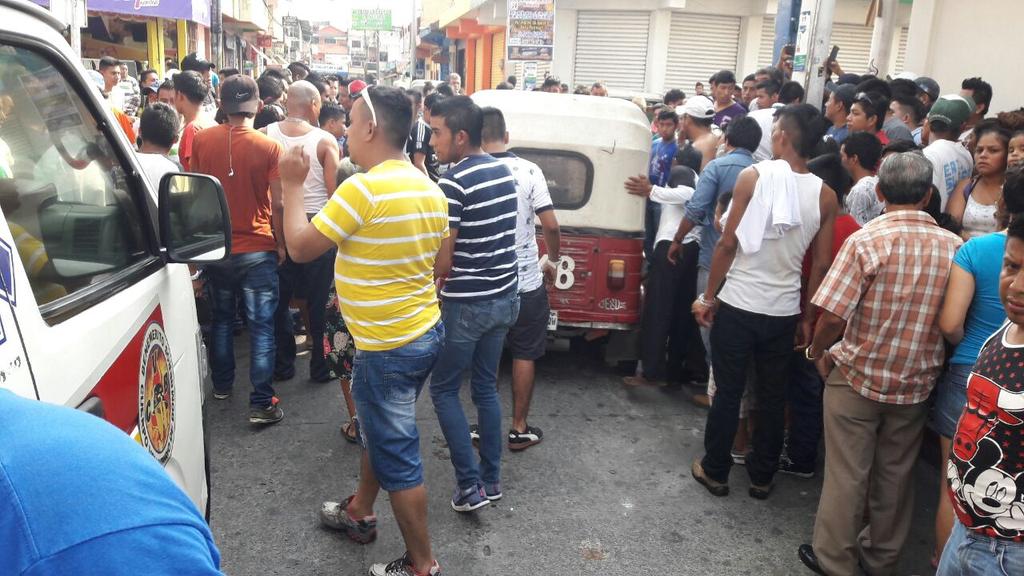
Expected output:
(96, 307)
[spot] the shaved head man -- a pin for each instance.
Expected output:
(300, 129)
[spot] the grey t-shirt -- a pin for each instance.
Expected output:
(895, 129)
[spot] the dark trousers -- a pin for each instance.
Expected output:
(652, 217)
(312, 281)
(737, 336)
(803, 392)
(667, 319)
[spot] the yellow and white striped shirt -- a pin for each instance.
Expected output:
(388, 225)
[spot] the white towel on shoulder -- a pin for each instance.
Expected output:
(774, 207)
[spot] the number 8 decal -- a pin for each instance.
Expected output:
(565, 278)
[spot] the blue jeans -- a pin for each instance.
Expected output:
(476, 333)
(969, 554)
(950, 399)
(254, 274)
(385, 387)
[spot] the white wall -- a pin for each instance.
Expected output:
(970, 39)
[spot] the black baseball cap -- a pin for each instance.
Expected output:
(928, 86)
(239, 95)
(196, 63)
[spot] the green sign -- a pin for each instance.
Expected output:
(372, 20)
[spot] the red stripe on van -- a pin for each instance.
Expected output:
(120, 386)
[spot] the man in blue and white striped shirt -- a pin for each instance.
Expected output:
(480, 298)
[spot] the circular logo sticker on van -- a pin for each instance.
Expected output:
(156, 394)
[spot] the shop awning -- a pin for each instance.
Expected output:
(242, 25)
(193, 10)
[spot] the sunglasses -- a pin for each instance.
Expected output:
(369, 104)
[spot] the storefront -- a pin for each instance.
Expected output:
(145, 33)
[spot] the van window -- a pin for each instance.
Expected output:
(570, 175)
(63, 190)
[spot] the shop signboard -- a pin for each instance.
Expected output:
(531, 30)
(371, 20)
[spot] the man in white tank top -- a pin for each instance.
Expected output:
(311, 281)
(779, 210)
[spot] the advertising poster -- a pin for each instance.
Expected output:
(531, 30)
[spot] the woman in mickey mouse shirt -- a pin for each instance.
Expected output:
(986, 467)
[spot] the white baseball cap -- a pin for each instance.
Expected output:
(697, 107)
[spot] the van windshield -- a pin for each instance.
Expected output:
(570, 175)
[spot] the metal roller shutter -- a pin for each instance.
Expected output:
(497, 59)
(765, 51)
(611, 47)
(901, 51)
(854, 41)
(699, 46)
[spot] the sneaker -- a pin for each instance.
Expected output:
(522, 440)
(474, 432)
(221, 395)
(738, 458)
(761, 492)
(334, 515)
(402, 567)
(786, 466)
(469, 499)
(270, 415)
(493, 491)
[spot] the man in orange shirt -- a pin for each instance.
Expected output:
(245, 162)
(190, 91)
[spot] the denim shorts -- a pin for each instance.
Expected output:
(950, 399)
(970, 554)
(385, 387)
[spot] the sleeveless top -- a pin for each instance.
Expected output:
(979, 219)
(768, 282)
(315, 190)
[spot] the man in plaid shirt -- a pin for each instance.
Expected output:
(885, 289)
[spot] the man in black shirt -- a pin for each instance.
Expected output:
(420, 152)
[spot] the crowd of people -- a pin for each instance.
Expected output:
(402, 229)
(852, 269)
(846, 271)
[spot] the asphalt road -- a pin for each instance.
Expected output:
(608, 492)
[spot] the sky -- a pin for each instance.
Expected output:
(339, 12)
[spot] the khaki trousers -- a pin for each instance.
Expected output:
(870, 450)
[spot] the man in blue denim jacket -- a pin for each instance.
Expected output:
(742, 138)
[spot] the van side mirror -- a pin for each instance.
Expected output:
(195, 225)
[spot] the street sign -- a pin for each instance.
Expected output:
(531, 30)
(371, 20)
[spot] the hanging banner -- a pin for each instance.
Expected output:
(193, 10)
(803, 41)
(531, 30)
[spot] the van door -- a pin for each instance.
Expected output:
(15, 370)
(104, 321)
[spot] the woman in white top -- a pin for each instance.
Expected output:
(973, 204)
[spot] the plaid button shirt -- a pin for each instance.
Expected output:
(888, 282)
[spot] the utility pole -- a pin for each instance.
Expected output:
(217, 33)
(881, 37)
(814, 32)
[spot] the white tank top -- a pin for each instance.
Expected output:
(979, 219)
(314, 188)
(768, 282)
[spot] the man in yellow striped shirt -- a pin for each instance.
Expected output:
(388, 225)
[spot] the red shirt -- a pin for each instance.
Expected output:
(844, 226)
